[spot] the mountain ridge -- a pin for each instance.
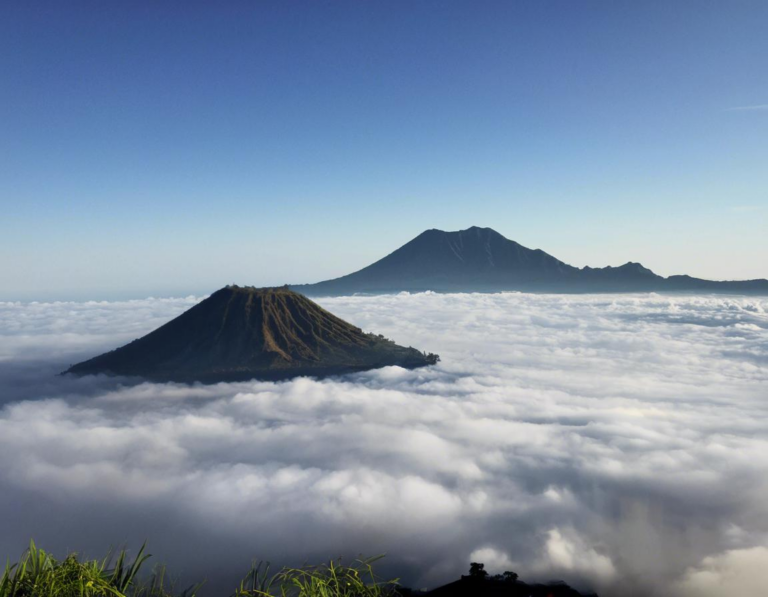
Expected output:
(482, 260)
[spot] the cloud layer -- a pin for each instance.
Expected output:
(617, 442)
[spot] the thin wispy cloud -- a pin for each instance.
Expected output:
(755, 108)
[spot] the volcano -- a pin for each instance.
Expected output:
(241, 333)
(482, 260)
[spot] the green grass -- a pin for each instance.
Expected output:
(328, 580)
(39, 574)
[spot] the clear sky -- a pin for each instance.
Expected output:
(159, 148)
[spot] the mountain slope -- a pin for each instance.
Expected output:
(482, 260)
(245, 332)
(438, 260)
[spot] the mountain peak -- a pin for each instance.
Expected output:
(244, 332)
(258, 291)
(479, 259)
(633, 267)
(471, 229)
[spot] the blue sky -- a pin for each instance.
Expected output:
(159, 148)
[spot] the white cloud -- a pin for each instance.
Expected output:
(616, 441)
(496, 562)
(735, 572)
(566, 551)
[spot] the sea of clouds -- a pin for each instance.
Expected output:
(616, 442)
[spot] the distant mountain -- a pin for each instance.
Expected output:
(482, 260)
(241, 333)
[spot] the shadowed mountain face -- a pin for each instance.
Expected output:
(468, 587)
(482, 260)
(243, 333)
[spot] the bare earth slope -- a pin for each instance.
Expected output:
(243, 333)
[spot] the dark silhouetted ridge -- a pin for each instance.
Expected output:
(482, 260)
(480, 584)
(243, 333)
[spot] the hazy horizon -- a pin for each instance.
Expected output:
(196, 288)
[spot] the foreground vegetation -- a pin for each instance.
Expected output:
(39, 574)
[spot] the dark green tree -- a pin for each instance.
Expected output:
(510, 576)
(477, 570)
